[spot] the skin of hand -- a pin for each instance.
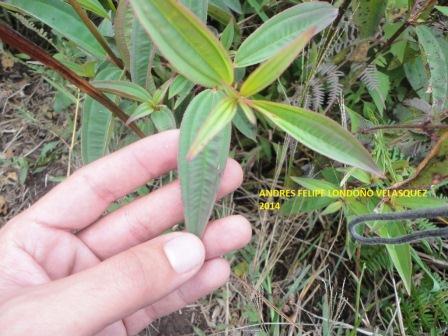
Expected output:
(68, 269)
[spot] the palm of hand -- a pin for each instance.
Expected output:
(64, 269)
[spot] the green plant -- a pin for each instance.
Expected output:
(194, 52)
(380, 68)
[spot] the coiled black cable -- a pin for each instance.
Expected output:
(405, 239)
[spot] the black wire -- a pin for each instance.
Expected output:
(405, 239)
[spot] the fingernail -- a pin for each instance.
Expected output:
(184, 252)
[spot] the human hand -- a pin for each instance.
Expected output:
(65, 270)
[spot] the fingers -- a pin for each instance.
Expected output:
(97, 297)
(84, 196)
(213, 275)
(226, 235)
(147, 217)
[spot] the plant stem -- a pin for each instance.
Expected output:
(389, 42)
(17, 41)
(94, 30)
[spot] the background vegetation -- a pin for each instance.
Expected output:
(380, 70)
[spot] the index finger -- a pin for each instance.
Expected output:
(84, 196)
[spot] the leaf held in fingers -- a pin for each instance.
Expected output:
(185, 41)
(220, 116)
(437, 57)
(270, 70)
(319, 133)
(143, 110)
(123, 89)
(281, 29)
(200, 177)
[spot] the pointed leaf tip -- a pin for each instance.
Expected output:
(319, 133)
(185, 41)
(273, 68)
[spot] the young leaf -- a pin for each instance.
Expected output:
(123, 89)
(163, 119)
(96, 122)
(243, 125)
(281, 29)
(200, 177)
(250, 115)
(221, 115)
(61, 17)
(143, 110)
(185, 41)
(270, 70)
(438, 64)
(319, 133)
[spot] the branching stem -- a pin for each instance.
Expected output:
(17, 41)
(94, 30)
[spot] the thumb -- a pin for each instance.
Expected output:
(87, 302)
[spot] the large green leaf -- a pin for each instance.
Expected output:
(221, 116)
(61, 17)
(319, 133)
(281, 29)
(185, 41)
(200, 177)
(367, 16)
(270, 70)
(438, 64)
(140, 50)
(96, 122)
(123, 89)
(198, 7)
